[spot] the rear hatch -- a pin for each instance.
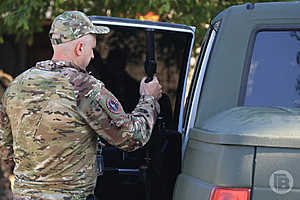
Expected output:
(253, 147)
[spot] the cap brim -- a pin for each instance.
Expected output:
(100, 30)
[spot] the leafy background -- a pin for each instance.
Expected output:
(25, 17)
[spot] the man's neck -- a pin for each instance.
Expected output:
(62, 58)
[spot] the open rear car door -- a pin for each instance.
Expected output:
(150, 172)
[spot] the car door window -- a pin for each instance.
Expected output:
(119, 63)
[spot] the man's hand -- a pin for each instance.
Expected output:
(153, 88)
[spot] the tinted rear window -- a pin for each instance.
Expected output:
(274, 74)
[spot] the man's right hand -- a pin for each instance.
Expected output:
(153, 88)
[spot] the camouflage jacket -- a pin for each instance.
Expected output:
(51, 116)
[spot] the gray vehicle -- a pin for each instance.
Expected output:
(237, 134)
(242, 121)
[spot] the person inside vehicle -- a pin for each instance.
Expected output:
(53, 113)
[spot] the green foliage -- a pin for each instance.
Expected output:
(25, 17)
(21, 17)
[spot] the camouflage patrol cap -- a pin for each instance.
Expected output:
(72, 25)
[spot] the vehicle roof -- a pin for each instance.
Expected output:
(258, 12)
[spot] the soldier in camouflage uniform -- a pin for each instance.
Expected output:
(52, 114)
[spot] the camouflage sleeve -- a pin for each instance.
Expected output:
(6, 139)
(107, 118)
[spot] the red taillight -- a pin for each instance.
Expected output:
(219, 193)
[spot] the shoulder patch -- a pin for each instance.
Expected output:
(113, 105)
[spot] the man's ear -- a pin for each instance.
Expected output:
(78, 49)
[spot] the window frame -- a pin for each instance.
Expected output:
(178, 106)
(192, 100)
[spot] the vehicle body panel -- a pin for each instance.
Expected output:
(268, 162)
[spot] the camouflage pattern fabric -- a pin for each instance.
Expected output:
(72, 25)
(51, 116)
